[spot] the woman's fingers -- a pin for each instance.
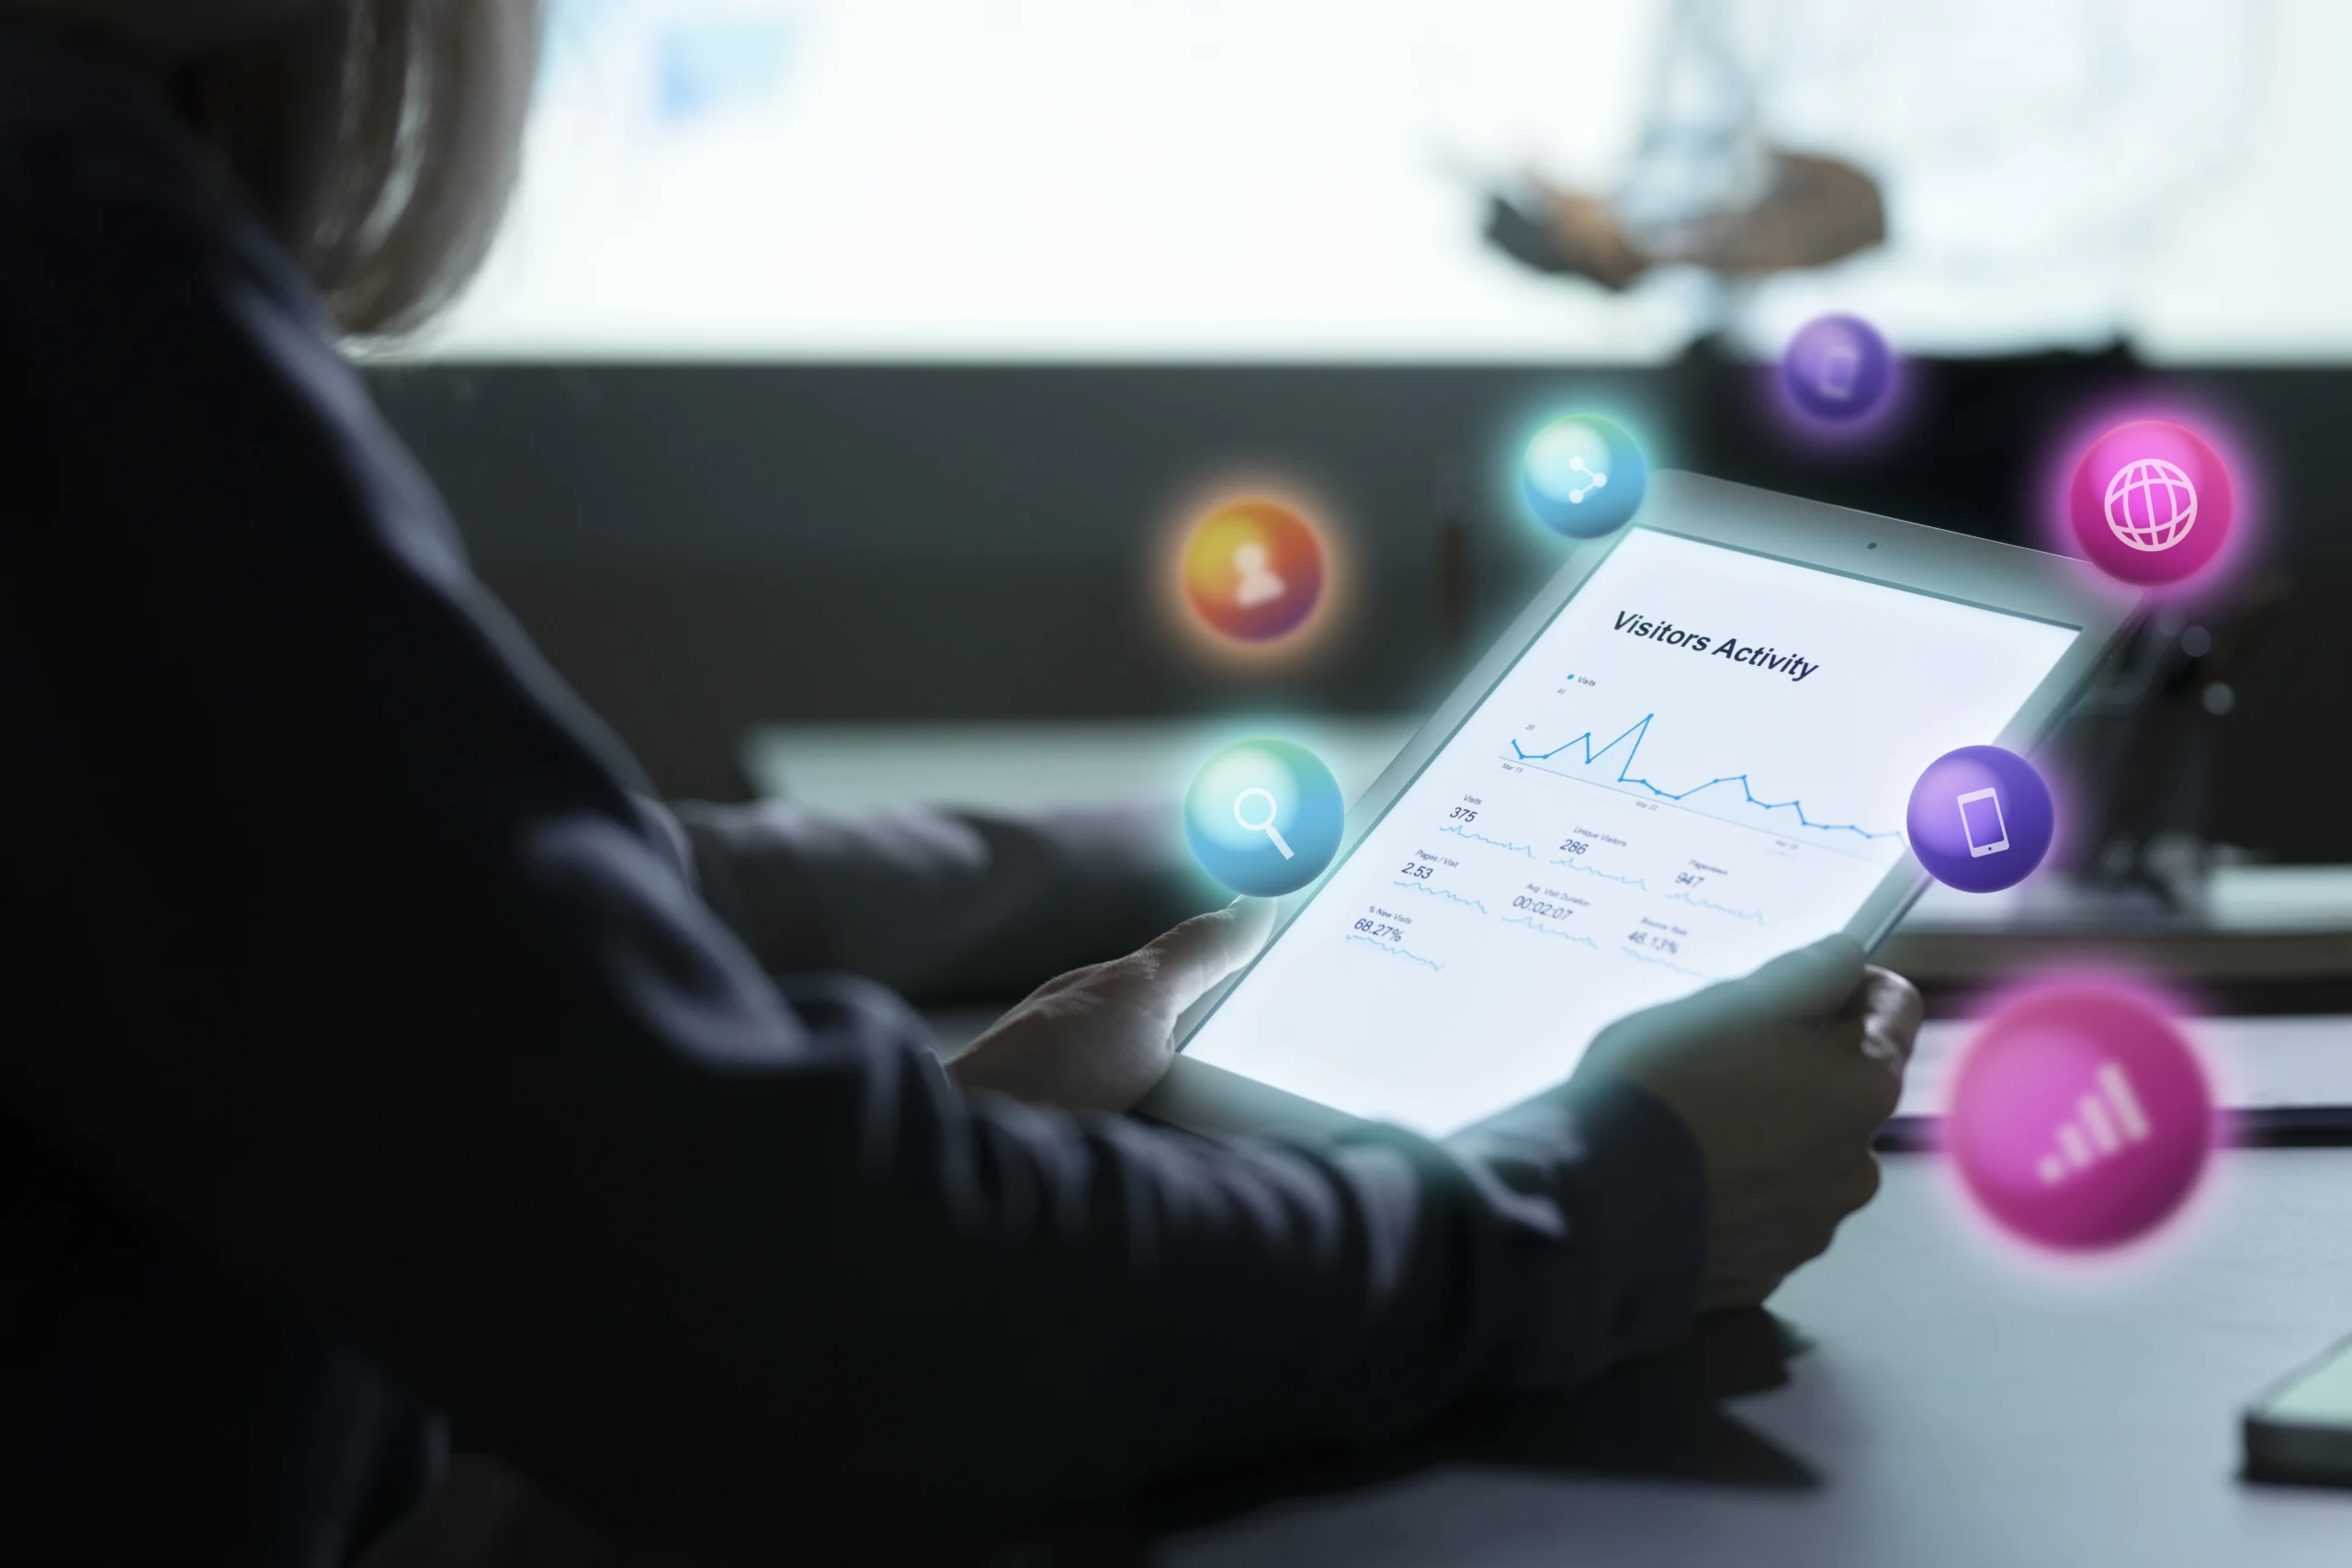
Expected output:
(1098, 1038)
(1861, 1183)
(1892, 1012)
(1183, 965)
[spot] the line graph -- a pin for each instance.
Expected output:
(1696, 902)
(1639, 731)
(1641, 957)
(1427, 891)
(1540, 929)
(1459, 831)
(1396, 951)
(1574, 865)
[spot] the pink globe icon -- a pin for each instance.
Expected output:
(2080, 1118)
(2151, 502)
(2151, 505)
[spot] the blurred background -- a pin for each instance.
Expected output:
(848, 362)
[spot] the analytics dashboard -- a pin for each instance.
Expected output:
(1702, 762)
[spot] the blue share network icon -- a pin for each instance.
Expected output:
(1264, 816)
(1583, 476)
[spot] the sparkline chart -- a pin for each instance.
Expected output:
(1625, 818)
(1590, 755)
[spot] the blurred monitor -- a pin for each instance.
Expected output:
(1255, 180)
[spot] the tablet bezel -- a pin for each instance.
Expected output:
(1957, 567)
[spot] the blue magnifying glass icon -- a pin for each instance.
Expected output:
(1237, 799)
(1264, 825)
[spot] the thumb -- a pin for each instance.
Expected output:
(1812, 982)
(1185, 962)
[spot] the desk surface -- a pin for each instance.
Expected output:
(2255, 1064)
(1956, 1409)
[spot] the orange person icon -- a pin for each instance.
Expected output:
(1253, 570)
(1259, 584)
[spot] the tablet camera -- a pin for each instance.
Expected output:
(1583, 476)
(2080, 1118)
(1263, 816)
(1981, 820)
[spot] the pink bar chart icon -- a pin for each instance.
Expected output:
(2104, 1122)
(2080, 1118)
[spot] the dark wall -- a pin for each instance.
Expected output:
(700, 548)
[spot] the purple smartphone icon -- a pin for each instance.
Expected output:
(1980, 819)
(1834, 377)
(1837, 368)
(1983, 828)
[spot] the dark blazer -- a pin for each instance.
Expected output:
(366, 1049)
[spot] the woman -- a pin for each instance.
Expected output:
(392, 1062)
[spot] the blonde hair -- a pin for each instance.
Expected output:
(377, 139)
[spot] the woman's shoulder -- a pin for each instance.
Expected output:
(168, 380)
(98, 171)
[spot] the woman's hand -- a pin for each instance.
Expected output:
(1098, 1038)
(1781, 1078)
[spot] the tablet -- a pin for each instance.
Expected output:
(1692, 753)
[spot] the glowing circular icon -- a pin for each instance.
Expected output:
(2151, 505)
(1837, 368)
(1582, 476)
(1980, 819)
(1253, 570)
(2151, 502)
(2080, 1118)
(1264, 816)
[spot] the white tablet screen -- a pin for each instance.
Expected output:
(1703, 762)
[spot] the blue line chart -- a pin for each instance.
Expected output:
(1755, 914)
(1531, 923)
(1637, 953)
(1395, 952)
(1574, 865)
(1640, 732)
(1459, 831)
(1450, 898)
